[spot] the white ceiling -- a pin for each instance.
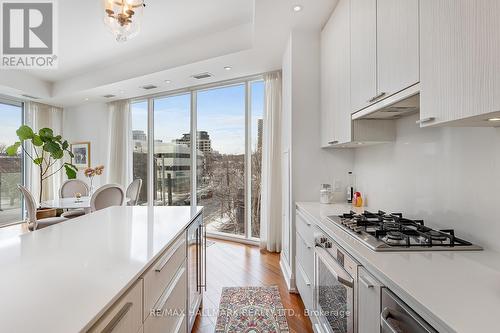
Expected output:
(179, 38)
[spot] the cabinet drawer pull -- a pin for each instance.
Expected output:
(179, 324)
(334, 142)
(304, 276)
(117, 318)
(425, 120)
(169, 255)
(365, 282)
(374, 98)
(168, 291)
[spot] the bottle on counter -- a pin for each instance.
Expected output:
(350, 187)
(357, 200)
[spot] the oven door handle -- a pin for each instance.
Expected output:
(340, 273)
(385, 324)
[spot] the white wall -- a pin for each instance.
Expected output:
(89, 122)
(447, 176)
(309, 166)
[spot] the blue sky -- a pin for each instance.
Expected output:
(11, 118)
(221, 112)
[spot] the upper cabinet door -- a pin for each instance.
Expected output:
(460, 61)
(327, 77)
(341, 70)
(335, 88)
(397, 45)
(363, 53)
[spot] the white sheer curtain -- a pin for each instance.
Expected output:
(270, 219)
(40, 116)
(119, 162)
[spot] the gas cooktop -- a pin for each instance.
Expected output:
(392, 232)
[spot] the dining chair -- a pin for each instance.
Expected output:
(133, 191)
(33, 222)
(68, 190)
(107, 196)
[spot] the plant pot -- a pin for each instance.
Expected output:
(43, 213)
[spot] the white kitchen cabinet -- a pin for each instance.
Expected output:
(384, 49)
(363, 53)
(397, 45)
(338, 129)
(125, 316)
(369, 300)
(304, 258)
(460, 71)
(335, 77)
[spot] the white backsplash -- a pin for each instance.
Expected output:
(448, 176)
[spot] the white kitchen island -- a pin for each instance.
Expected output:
(68, 277)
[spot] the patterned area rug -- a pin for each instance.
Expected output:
(251, 310)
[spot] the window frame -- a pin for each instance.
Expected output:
(25, 168)
(193, 92)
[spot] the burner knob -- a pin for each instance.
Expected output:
(328, 245)
(322, 240)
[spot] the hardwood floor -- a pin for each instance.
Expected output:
(232, 265)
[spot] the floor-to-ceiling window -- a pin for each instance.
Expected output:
(172, 150)
(139, 111)
(222, 172)
(11, 167)
(221, 188)
(257, 131)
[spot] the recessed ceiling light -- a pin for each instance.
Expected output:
(494, 119)
(86, 99)
(297, 8)
(168, 81)
(228, 68)
(360, 143)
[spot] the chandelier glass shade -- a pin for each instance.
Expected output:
(123, 17)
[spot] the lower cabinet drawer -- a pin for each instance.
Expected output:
(169, 312)
(304, 227)
(159, 275)
(305, 255)
(305, 287)
(125, 316)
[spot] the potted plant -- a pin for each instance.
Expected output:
(47, 150)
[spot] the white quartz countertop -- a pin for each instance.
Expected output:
(62, 278)
(454, 291)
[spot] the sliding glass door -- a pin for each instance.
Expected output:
(11, 167)
(222, 172)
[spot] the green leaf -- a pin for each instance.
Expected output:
(65, 145)
(70, 171)
(24, 133)
(51, 146)
(58, 154)
(12, 150)
(71, 154)
(46, 134)
(37, 141)
(58, 138)
(38, 161)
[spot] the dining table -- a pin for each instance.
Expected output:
(67, 203)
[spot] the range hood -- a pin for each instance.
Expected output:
(399, 109)
(399, 105)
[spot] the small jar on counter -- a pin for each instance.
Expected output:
(326, 194)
